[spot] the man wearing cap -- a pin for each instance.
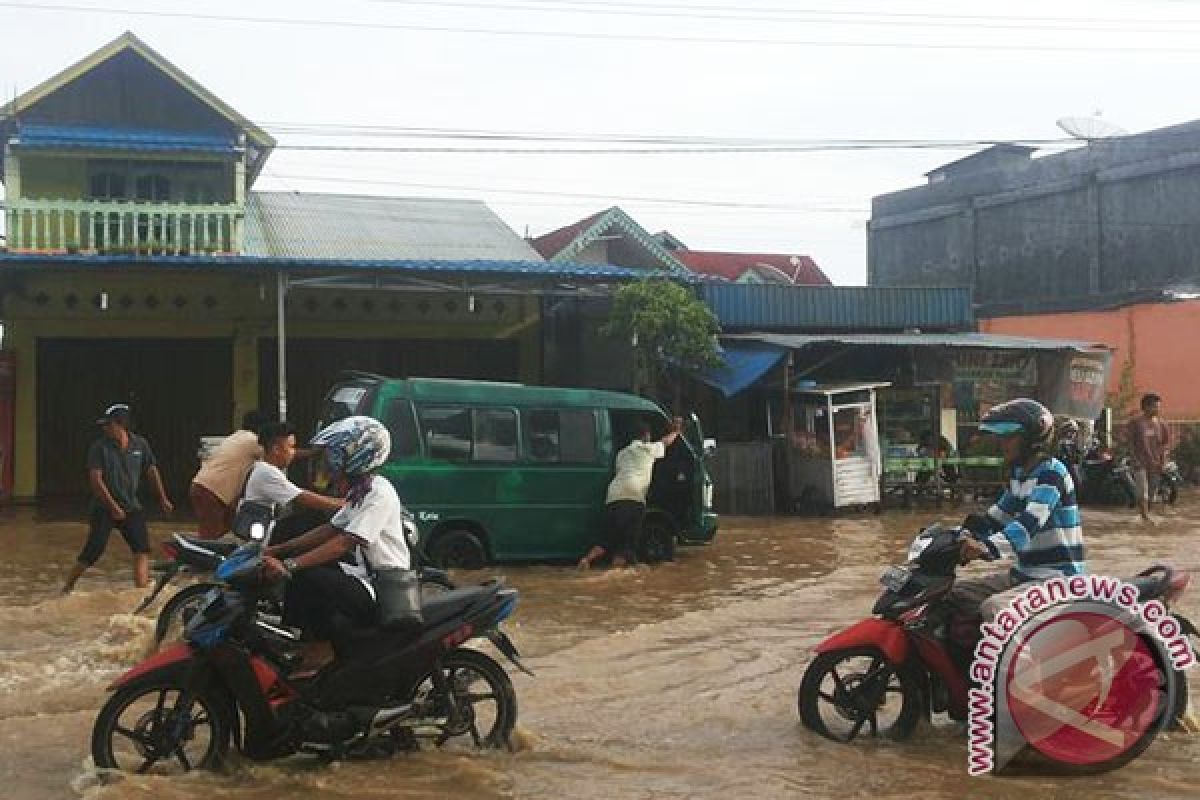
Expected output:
(116, 462)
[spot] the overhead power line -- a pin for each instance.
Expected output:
(609, 36)
(810, 16)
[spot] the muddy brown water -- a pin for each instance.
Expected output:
(677, 681)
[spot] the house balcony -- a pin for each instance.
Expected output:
(123, 227)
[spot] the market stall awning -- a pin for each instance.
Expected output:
(745, 363)
(987, 341)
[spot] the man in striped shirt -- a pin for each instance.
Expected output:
(1036, 520)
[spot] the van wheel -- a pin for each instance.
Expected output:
(458, 548)
(657, 541)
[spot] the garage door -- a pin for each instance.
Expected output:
(315, 364)
(179, 389)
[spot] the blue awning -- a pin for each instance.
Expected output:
(745, 363)
(91, 137)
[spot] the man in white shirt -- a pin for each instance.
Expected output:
(325, 595)
(625, 503)
(268, 483)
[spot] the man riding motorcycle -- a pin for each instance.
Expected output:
(326, 594)
(1036, 518)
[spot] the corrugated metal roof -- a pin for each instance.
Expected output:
(782, 307)
(37, 136)
(988, 341)
(292, 225)
(383, 267)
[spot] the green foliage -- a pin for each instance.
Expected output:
(1187, 452)
(1122, 401)
(669, 327)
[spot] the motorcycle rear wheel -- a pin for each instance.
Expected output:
(844, 691)
(483, 693)
(143, 729)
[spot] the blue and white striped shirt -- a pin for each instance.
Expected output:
(1037, 519)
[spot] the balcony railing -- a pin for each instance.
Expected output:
(114, 227)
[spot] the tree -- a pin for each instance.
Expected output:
(669, 328)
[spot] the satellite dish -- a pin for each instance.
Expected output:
(1090, 128)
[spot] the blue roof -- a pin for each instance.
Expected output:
(782, 307)
(556, 269)
(90, 137)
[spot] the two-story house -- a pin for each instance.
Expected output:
(139, 264)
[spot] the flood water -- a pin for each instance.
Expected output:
(676, 681)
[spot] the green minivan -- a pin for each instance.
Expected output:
(507, 472)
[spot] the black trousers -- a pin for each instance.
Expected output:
(100, 526)
(326, 603)
(622, 527)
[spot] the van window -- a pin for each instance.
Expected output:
(446, 432)
(560, 436)
(495, 435)
(342, 402)
(398, 417)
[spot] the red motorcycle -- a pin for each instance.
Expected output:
(882, 675)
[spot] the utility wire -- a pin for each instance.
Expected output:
(605, 36)
(822, 16)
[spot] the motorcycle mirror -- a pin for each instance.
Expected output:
(258, 532)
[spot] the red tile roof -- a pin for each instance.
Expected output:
(554, 242)
(731, 266)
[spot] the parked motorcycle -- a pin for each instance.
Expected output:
(189, 555)
(1169, 483)
(1106, 480)
(230, 682)
(881, 676)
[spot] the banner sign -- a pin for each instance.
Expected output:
(1078, 390)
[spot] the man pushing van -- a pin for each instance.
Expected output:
(625, 503)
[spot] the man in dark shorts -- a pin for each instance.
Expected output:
(625, 503)
(116, 462)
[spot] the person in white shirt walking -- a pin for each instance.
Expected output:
(625, 503)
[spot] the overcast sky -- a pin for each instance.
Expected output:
(761, 71)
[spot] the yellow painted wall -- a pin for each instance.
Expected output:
(38, 306)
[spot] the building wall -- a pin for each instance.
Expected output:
(239, 308)
(1152, 339)
(1066, 228)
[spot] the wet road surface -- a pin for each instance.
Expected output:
(672, 682)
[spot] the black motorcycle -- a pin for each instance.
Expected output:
(189, 555)
(232, 682)
(1105, 479)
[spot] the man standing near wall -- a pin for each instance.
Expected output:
(1150, 439)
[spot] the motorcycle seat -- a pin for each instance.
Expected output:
(203, 552)
(444, 606)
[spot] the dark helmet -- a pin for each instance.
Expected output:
(1029, 418)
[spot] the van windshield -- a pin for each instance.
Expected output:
(342, 402)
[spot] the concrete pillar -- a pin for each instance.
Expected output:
(20, 337)
(245, 372)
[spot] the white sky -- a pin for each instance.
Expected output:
(840, 75)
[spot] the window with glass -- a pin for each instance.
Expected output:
(553, 437)
(849, 439)
(446, 432)
(402, 426)
(495, 435)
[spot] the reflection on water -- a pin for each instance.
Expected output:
(676, 681)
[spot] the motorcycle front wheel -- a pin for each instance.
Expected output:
(479, 706)
(176, 611)
(856, 692)
(146, 728)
